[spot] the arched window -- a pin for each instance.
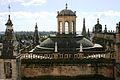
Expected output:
(60, 27)
(66, 28)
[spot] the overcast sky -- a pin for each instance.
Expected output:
(25, 13)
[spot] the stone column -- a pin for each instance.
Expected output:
(63, 26)
(68, 27)
(74, 25)
(14, 69)
(70, 22)
(58, 26)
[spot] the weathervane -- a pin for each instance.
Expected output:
(9, 8)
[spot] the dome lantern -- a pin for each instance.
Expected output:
(66, 19)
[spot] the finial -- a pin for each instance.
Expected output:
(88, 31)
(105, 26)
(36, 25)
(35, 22)
(58, 12)
(117, 24)
(8, 17)
(98, 20)
(66, 5)
(84, 20)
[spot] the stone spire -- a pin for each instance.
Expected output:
(88, 34)
(36, 36)
(9, 54)
(84, 29)
(9, 43)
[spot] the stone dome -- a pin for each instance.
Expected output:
(67, 12)
(66, 43)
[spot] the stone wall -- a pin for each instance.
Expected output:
(64, 71)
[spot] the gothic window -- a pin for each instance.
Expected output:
(60, 27)
(66, 28)
(8, 70)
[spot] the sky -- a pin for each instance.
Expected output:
(25, 13)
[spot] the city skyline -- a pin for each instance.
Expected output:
(25, 13)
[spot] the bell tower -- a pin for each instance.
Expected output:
(66, 20)
(8, 62)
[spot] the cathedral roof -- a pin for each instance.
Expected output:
(66, 43)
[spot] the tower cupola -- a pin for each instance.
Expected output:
(66, 19)
(98, 26)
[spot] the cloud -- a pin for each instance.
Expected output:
(109, 18)
(17, 0)
(22, 19)
(29, 15)
(47, 20)
(24, 2)
(109, 13)
(33, 2)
